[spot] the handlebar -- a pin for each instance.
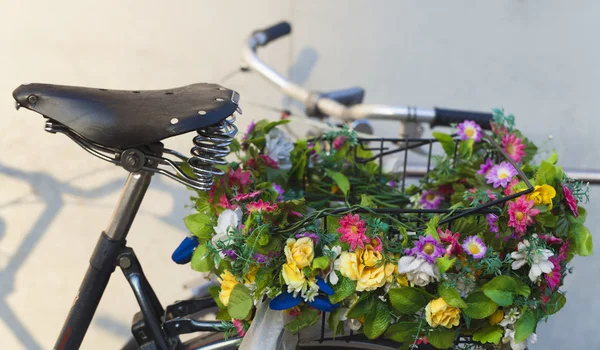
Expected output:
(321, 104)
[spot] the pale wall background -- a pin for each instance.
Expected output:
(538, 59)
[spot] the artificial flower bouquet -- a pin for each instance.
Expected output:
(478, 250)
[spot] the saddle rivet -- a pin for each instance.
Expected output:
(174, 121)
(222, 88)
(32, 99)
(125, 262)
(202, 112)
(219, 99)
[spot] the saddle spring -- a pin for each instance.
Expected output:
(211, 146)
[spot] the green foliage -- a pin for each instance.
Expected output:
(581, 239)
(547, 174)
(340, 180)
(200, 225)
(377, 320)
(202, 259)
(446, 141)
(334, 322)
(214, 293)
(524, 326)
(451, 296)
(441, 338)
(240, 302)
(465, 148)
(490, 334)
(557, 301)
(402, 331)
(407, 300)
(321, 262)
(479, 305)
(306, 318)
(343, 289)
(444, 263)
(500, 290)
(432, 226)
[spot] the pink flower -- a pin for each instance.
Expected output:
(553, 277)
(475, 247)
(224, 202)
(571, 201)
(244, 196)
(270, 162)
(521, 214)
(352, 229)
(239, 327)
(261, 207)
(514, 147)
(550, 239)
(377, 244)
(426, 248)
(296, 214)
(469, 130)
(431, 199)
(339, 141)
(563, 252)
(485, 167)
(239, 177)
(447, 237)
(498, 129)
(501, 174)
(510, 189)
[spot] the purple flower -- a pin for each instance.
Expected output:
(491, 219)
(475, 247)
(427, 248)
(259, 258)
(501, 174)
(249, 130)
(431, 199)
(230, 253)
(485, 167)
(469, 130)
(392, 183)
(310, 235)
(279, 190)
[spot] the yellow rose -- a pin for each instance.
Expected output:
(542, 195)
(369, 257)
(349, 265)
(227, 281)
(439, 313)
(299, 252)
(294, 278)
(496, 317)
(372, 278)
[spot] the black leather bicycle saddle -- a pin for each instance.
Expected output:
(123, 119)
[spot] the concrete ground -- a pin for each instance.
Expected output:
(535, 58)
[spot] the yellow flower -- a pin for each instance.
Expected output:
(227, 281)
(542, 195)
(299, 252)
(251, 276)
(496, 317)
(366, 267)
(439, 313)
(402, 280)
(294, 278)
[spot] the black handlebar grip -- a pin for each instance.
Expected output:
(445, 117)
(276, 31)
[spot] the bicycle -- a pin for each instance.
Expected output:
(126, 128)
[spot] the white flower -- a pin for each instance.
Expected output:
(311, 291)
(331, 275)
(418, 270)
(279, 146)
(464, 286)
(510, 317)
(509, 336)
(228, 220)
(536, 257)
(353, 324)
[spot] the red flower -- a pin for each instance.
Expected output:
(270, 162)
(571, 201)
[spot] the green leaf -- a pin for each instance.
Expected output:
(582, 239)
(441, 338)
(214, 293)
(334, 322)
(446, 141)
(377, 320)
(444, 263)
(223, 315)
(479, 305)
(262, 280)
(546, 174)
(202, 260)
(234, 146)
(200, 225)
(524, 326)
(402, 332)
(562, 226)
(240, 302)
(451, 296)
(522, 289)
(547, 219)
(580, 219)
(305, 319)
(491, 334)
(343, 289)
(465, 148)
(320, 263)
(553, 158)
(407, 300)
(367, 201)
(432, 227)
(359, 309)
(557, 301)
(272, 125)
(500, 290)
(340, 180)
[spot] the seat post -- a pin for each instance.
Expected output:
(103, 262)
